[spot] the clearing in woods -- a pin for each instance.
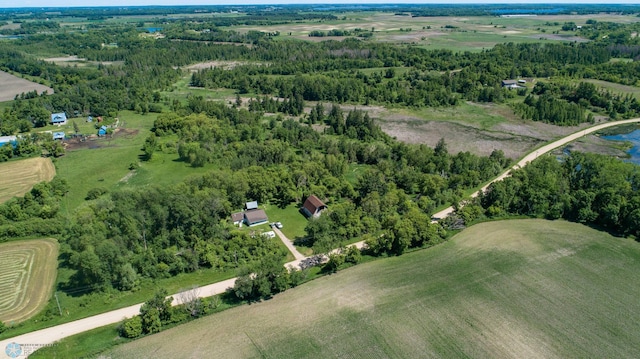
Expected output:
(519, 288)
(10, 86)
(27, 274)
(18, 177)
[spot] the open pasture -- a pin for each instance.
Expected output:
(616, 88)
(472, 33)
(520, 288)
(11, 85)
(27, 274)
(18, 177)
(473, 127)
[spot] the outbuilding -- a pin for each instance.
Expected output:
(313, 207)
(58, 135)
(59, 118)
(237, 218)
(12, 140)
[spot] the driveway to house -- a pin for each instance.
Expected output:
(535, 154)
(287, 242)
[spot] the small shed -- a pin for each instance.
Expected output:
(12, 140)
(255, 217)
(313, 207)
(58, 135)
(237, 218)
(102, 131)
(251, 205)
(59, 118)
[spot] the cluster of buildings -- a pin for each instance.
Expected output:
(514, 84)
(254, 216)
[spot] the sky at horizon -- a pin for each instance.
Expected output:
(92, 3)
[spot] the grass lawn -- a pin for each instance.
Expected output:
(293, 222)
(181, 90)
(476, 115)
(519, 288)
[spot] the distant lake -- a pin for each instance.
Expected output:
(633, 137)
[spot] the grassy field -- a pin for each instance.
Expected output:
(521, 288)
(472, 33)
(616, 88)
(18, 177)
(105, 162)
(27, 274)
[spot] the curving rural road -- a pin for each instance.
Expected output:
(53, 334)
(537, 153)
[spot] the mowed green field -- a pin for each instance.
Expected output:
(27, 274)
(18, 177)
(510, 289)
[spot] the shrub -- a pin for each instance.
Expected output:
(132, 328)
(95, 193)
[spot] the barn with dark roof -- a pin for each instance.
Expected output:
(313, 207)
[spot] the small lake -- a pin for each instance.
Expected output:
(633, 137)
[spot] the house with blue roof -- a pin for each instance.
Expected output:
(58, 135)
(12, 140)
(59, 118)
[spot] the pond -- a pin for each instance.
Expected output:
(634, 138)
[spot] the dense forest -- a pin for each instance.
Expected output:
(585, 188)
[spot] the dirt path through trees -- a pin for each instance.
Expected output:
(537, 153)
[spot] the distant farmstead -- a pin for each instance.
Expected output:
(313, 207)
(513, 84)
(59, 118)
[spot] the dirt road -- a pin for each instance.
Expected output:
(297, 255)
(53, 334)
(537, 153)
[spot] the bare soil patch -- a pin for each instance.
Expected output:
(95, 142)
(11, 85)
(18, 177)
